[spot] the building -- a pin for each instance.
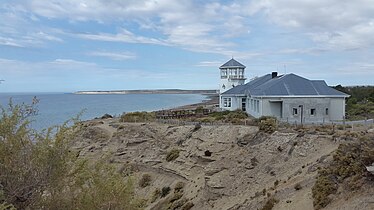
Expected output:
(288, 97)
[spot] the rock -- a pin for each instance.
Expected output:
(370, 168)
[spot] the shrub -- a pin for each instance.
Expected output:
(298, 186)
(172, 155)
(268, 124)
(347, 169)
(49, 175)
(269, 204)
(145, 180)
(187, 206)
(179, 187)
(165, 191)
(155, 195)
(138, 117)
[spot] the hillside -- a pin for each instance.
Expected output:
(219, 167)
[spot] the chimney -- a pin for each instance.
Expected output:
(274, 74)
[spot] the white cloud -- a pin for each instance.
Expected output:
(335, 24)
(209, 64)
(124, 36)
(114, 55)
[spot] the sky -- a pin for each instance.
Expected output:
(74, 45)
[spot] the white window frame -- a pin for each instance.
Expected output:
(226, 102)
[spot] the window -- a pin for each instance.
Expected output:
(257, 106)
(327, 111)
(294, 111)
(312, 112)
(252, 107)
(226, 102)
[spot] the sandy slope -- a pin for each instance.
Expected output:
(242, 164)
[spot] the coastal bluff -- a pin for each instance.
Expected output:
(217, 166)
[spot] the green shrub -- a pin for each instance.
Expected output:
(346, 169)
(267, 124)
(172, 155)
(138, 117)
(145, 180)
(40, 170)
(165, 191)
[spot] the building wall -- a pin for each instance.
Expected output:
(236, 103)
(254, 107)
(230, 83)
(335, 109)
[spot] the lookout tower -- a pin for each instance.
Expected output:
(232, 74)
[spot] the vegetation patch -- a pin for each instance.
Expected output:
(145, 180)
(165, 191)
(267, 124)
(347, 170)
(138, 117)
(270, 203)
(172, 155)
(41, 171)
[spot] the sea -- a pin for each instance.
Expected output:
(56, 108)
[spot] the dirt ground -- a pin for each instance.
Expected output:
(222, 167)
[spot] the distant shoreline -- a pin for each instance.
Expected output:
(159, 91)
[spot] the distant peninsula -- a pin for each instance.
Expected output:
(157, 91)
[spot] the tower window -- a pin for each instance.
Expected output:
(294, 111)
(327, 111)
(223, 86)
(312, 112)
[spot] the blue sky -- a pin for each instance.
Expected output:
(71, 45)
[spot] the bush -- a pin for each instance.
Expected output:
(165, 191)
(269, 204)
(145, 180)
(298, 186)
(346, 169)
(41, 171)
(138, 117)
(267, 124)
(187, 206)
(179, 187)
(172, 155)
(155, 195)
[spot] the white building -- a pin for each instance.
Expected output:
(287, 97)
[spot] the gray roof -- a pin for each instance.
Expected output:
(243, 89)
(285, 85)
(232, 63)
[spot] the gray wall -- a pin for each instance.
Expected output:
(335, 106)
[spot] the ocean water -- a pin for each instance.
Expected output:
(56, 108)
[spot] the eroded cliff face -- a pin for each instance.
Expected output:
(222, 167)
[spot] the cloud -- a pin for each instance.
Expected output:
(335, 24)
(191, 25)
(209, 64)
(124, 36)
(18, 28)
(114, 55)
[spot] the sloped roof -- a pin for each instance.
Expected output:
(243, 89)
(232, 63)
(285, 85)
